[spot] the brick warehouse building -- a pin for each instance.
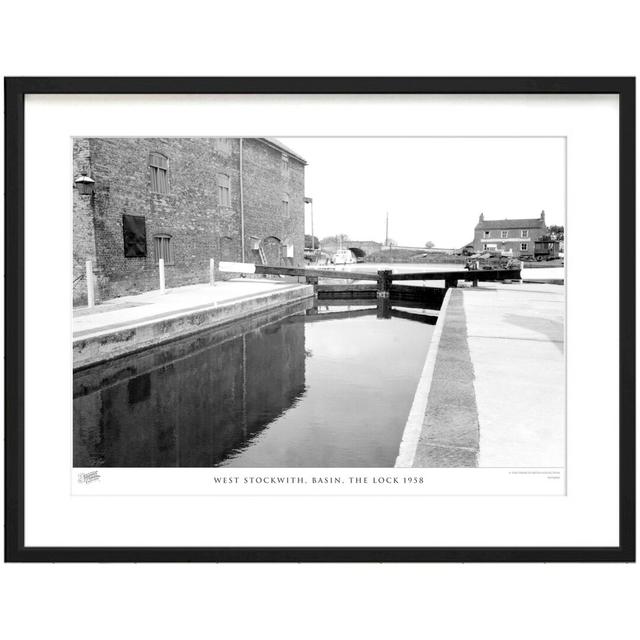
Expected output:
(516, 237)
(185, 200)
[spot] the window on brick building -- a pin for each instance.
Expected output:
(164, 248)
(524, 233)
(134, 231)
(159, 167)
(224, 190)
(285, 204)
(504, 234)
(487, 234)
(524, 246)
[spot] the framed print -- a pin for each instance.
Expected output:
(320, 319)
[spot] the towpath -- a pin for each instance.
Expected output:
(133, 322)
(492, 390)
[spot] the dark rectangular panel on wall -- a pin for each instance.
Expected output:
(134, 230)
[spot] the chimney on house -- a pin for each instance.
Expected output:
(482, 217)
(542, 216)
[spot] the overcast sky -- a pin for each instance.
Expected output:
(433, 188)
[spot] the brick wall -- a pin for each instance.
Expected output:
(265, 184)
(200, 227)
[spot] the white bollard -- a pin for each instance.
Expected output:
(161, 268)
(212, 272)
(91, 296)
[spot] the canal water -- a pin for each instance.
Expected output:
(315, 385)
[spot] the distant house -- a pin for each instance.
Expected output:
(514, 237)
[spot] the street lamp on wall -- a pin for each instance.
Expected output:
(85, 184)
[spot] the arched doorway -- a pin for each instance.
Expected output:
(272, 251)
(358, 253)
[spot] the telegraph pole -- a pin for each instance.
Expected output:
(386, 233)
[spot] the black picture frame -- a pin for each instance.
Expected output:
(15, 91)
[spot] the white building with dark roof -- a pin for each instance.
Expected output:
(515, 237)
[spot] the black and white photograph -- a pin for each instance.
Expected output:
(319, 302)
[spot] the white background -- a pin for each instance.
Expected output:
(489, 38)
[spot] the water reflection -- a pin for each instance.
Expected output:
(327, 385)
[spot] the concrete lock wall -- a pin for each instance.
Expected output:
(199, 225)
